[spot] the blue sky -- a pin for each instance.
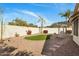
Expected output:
(30, 11)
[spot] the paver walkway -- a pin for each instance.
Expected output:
(58, 45)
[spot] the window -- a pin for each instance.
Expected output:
(76, 27)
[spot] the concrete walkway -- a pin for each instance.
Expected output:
(57, 45)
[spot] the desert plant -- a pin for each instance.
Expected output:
(29, 32)
(68, 31)
(45, 31)
(16, 35)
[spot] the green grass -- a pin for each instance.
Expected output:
(36, 37)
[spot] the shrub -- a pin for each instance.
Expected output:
(45, 31)
(68, 31)
(29, 32)
(16, 35)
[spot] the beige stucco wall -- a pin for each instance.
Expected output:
(9, 31)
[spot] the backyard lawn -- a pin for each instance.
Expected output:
(36, 37)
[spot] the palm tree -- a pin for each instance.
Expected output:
(1, 19)
(67, 14)
(42, 21)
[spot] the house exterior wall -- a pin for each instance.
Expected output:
(76, 38)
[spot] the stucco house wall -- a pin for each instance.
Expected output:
(75, 38)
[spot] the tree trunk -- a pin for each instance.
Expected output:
(41, 27)
(1, 30)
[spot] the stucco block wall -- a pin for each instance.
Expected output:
(9, 31)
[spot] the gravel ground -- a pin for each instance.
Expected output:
(35, 47)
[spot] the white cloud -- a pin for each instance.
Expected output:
(27, 12)
(30, 13)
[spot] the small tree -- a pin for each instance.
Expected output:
(42, 21)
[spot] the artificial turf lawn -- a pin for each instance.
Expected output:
(36, 37)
